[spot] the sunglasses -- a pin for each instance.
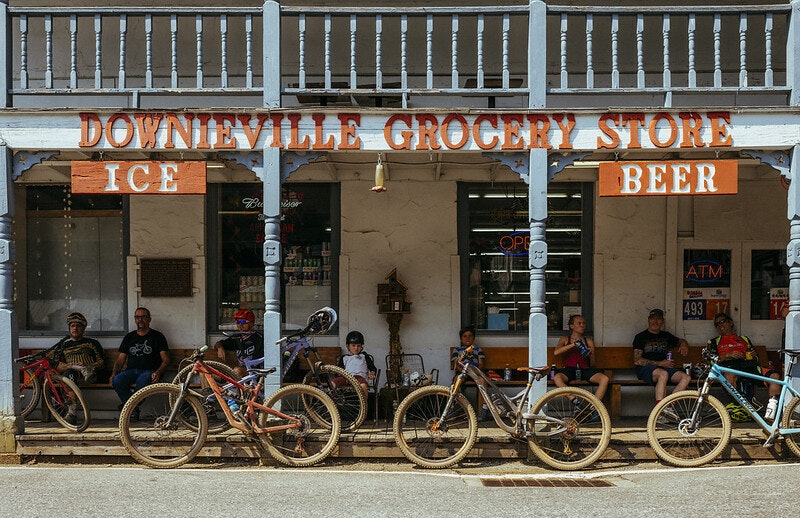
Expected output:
(242, 321)
(719, 322)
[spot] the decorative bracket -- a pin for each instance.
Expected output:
(778, 160)
(520, 163)
(291, 162)
(556, 162)
(517, 162)
(24, 160)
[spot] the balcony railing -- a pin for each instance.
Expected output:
(466, 56)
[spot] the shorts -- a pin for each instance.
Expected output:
(741, 364)
(645, 373)
(341, 381)
(586, 374)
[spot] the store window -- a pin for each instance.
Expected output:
(495, 261)
(769, 286)
(75, 259)
(307, 241)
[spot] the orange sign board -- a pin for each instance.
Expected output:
(138, 177)
(669, 178)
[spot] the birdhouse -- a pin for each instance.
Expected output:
(392, 295)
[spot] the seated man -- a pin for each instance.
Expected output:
(652, 357)
(79, 357)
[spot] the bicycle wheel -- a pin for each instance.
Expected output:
(348, 396)
(217, 420)
(150, 438)
(66, 403)
(675, 442)
(312, 441)
(791, 419)
(574, 431)
(30, 390)
(427, 440)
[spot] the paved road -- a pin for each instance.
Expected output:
(375, 490)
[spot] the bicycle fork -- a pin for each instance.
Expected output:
(454, 390)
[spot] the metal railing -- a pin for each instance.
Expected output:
(372, 56)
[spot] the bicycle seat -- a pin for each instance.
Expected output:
(790, 352)
(263, 372)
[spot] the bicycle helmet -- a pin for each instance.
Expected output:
(245, 314)
(354, 337)
(737, 412)
(76, 318)
(321, 320)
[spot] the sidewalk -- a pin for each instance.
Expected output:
(101, 441)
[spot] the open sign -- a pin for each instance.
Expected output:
(516, 244)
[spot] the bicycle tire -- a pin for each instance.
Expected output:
(318, 440)
(148, 440)
(578, 438)
(791, 419)
(217, 420)
(440, 448)
(349, 399)
(28, 402)
(64, 398)
(675, 444)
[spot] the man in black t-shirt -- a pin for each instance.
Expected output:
(650, 348)
(143, 353)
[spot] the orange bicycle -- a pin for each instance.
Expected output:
(164, 425)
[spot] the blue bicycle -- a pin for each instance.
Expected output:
(692, 428)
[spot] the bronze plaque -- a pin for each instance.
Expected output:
(166, 277)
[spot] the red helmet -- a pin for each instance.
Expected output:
(245, 314)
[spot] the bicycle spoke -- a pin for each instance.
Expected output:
(424, 438)
(149, 435)
(315, 425)
(576, 430)
(673, 438)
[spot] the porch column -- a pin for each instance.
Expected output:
(271, 47)
(271, 182)
(793, 256)
(9, 344)
(537, 259)
(537, 57)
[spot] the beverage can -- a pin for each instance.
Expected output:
(687, 367)
(669, 355)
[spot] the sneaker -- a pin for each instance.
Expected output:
(577, 407)
(484, 415)
(670, 414)
(71, 419)
(593, 417)
(136, 414)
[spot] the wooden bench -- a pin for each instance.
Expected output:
(615, 361)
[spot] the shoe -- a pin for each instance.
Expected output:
(593, 417)
(670, 414)
(71, 419)
(484, 415)
(136, 414)
(578, 407)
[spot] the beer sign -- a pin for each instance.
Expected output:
(669, 178)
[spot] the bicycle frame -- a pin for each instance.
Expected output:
(247, 425)
(717, 374)
(43, 369)
(521, 398)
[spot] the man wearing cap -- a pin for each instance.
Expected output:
(650, 348)
(248, 344)
(79, 357)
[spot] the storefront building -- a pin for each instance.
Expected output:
(514, 164)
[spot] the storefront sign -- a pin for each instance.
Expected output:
(669, 178)
(406, 131)
(138, 177)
